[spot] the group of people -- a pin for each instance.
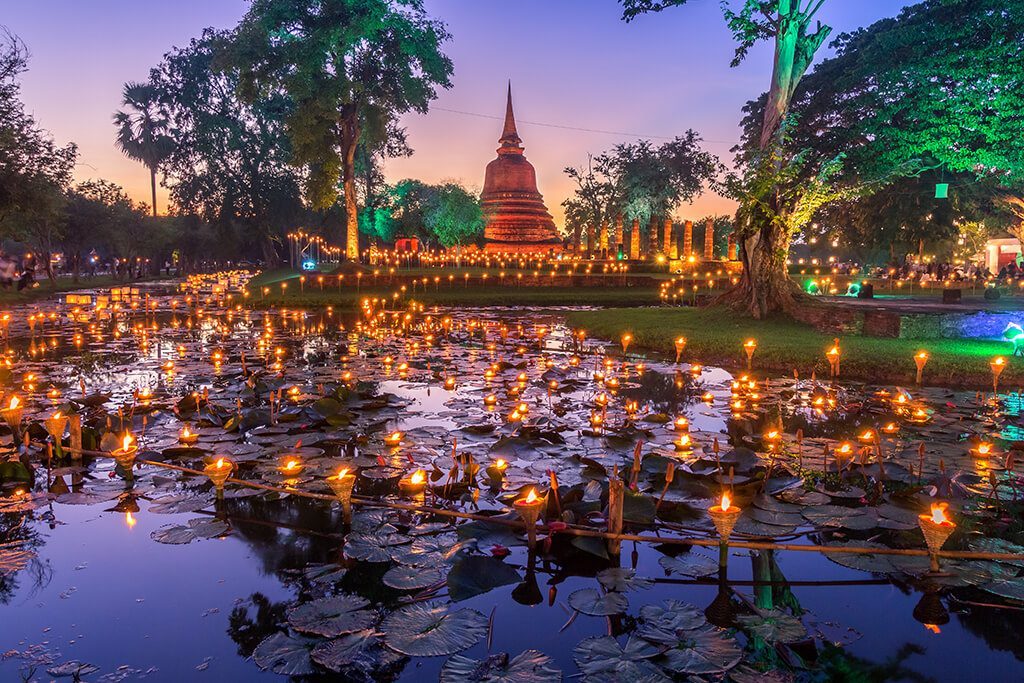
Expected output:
(14, 269)
(935, 271)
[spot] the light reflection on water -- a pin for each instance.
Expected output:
(103, 592)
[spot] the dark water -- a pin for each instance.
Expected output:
(101, 591)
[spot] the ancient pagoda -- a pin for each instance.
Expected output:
(517, 220)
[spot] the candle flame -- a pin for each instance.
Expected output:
(984, 448)
(500, 463)
(220, 463)
(129, 519)
(126, 442)
(531, 496)
(342, 473)
(939, 514)
(291, 465)
(418, 477)
(726, 502)
(934, 628)
(15, 402)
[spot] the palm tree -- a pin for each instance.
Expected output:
(142, 129)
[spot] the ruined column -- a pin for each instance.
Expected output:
(688, 239)
(732, 246)
(603, 240)
(634, 240)
(619, 237)
(709, 240)
(667, 232)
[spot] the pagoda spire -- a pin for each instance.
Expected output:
(510, 140)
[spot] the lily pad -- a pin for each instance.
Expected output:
(773, 626)
(285, 654)
(597, 604)
(429, 629)
(360, 651)
(530, 666)
(621, 579)
(332, 616)
(200, 527)
(603, 660)
(703, 651)
(689, 564)
(411, 578)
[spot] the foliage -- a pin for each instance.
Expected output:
(142, 128)
(345, 65)
(230, 158)
(447, 214)
(34, 170)
(930, 96)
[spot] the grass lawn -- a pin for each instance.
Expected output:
(46, 288)
(457, 295)
(715, 336)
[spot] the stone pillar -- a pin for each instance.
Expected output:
(687, 239)
(667, 233)
(619, 237)
(732, 246)
(591, 238)
(709, 240)
(603, 242)
(634, 240)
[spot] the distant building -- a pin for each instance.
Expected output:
(516, 219)
(1000, 252)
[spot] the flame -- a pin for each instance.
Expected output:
(220, 463)
(923, 355)
(984, 448)
(934, 628)
(126, 442)
(750, 344)
(393, 437)
(500, 463)
(531, 496)
(342, 473)
(939, 514)
(999, 361)
(129, 519)
(726, 502)
(418, 477)
(291, 465)
(14, 402)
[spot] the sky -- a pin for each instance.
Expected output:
(582, 79)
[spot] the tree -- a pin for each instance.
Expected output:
(768, 218)
(652, 181)
(34, 171)
(142, 129)
(594, 201)
(229, 161)
(446, 215)
(931, 96)
(454, 216)
(343, 63)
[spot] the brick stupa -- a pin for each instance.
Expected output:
(517, 220)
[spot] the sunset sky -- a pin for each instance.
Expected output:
(582, 79)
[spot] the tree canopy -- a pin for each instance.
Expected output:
(348, 66)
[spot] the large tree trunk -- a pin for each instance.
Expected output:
(349, 139)
(271, 258)
(765, 286)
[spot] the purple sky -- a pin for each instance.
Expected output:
(572, 63)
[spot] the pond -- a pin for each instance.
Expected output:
(109, 573)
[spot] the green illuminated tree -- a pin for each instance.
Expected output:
(343, 64)
(770, 213)
(933, 95)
